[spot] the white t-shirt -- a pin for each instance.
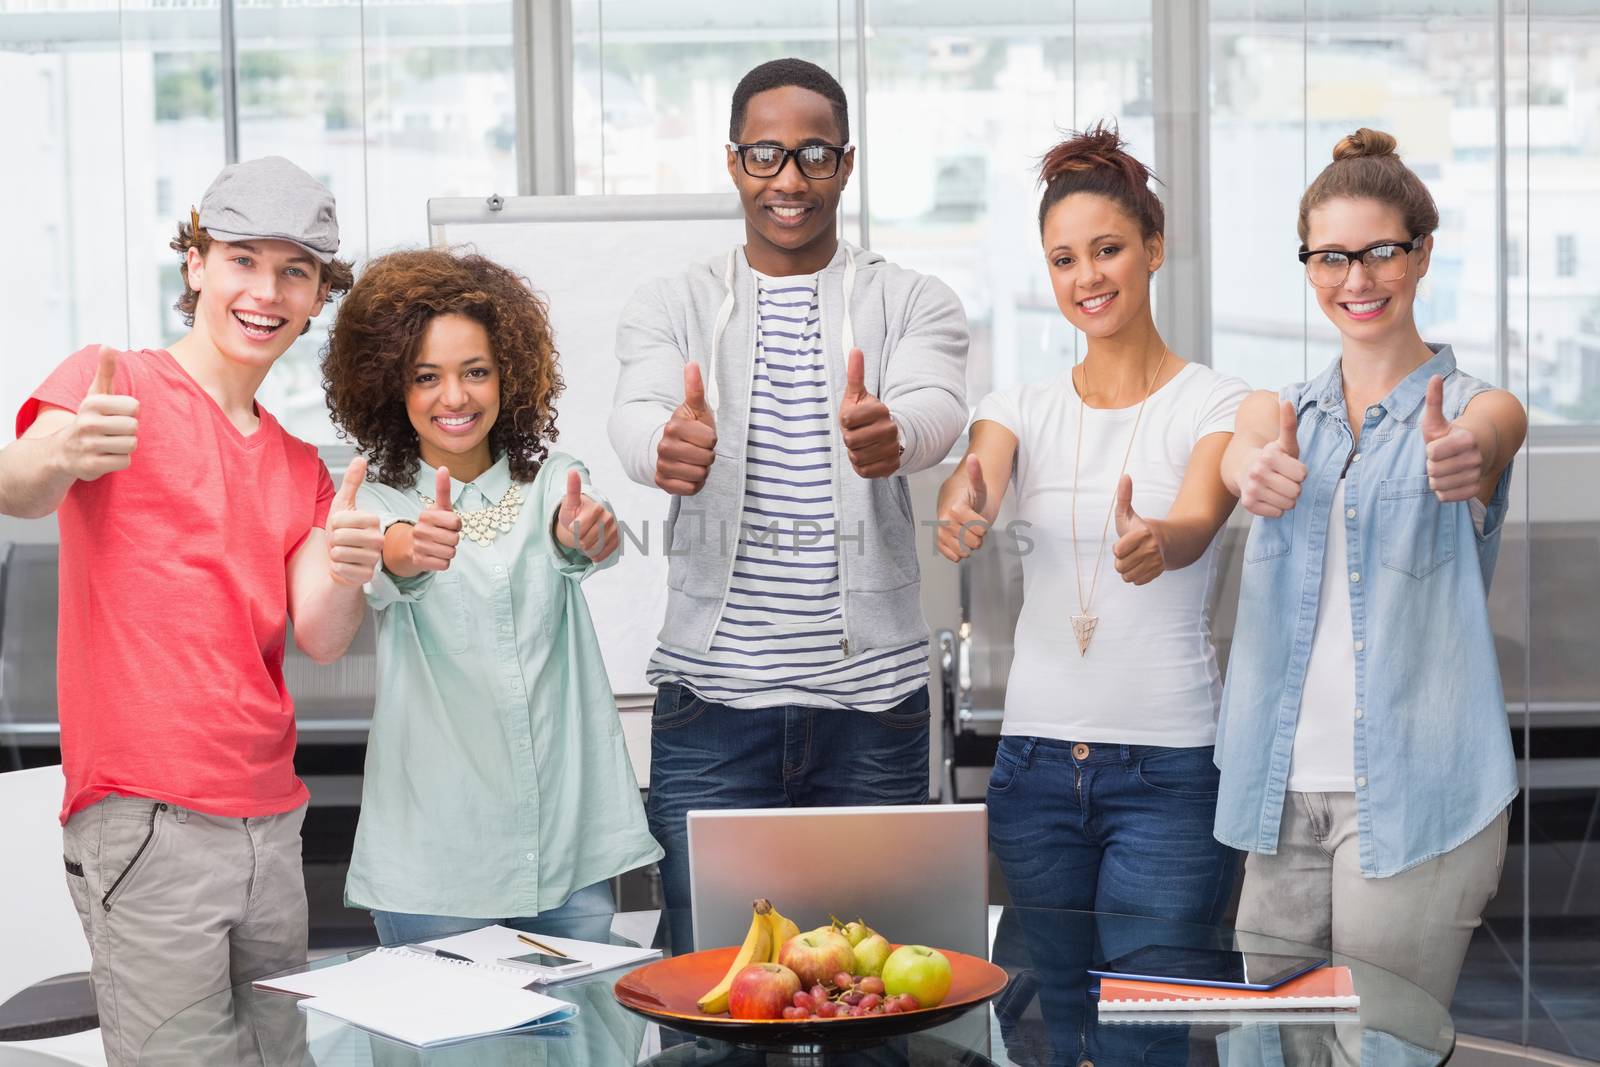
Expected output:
(1325, 735)
(1150, 676)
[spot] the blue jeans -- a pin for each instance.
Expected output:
(705, 755)
(1110, 828)
(586, 916)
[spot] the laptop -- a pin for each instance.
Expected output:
(918, 874)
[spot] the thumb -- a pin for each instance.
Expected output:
(1434, 424)
(980, 491)
(694, 390)
(354, 475)
(106, 374)
(855, 376)
(1125, 513)
(441, 489)
(1288, 430)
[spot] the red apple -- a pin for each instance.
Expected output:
(762, 991)
(921, 971)
(817, 955)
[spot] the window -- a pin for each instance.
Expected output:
(1566, 255)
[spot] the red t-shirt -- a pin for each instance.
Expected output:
(174, 597)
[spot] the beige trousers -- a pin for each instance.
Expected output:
(1416, 924)
(179, 906)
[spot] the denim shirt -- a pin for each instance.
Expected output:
(1433, 762)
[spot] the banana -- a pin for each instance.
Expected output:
(783, 928)
(757, 948)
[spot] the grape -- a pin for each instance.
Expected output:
(796, 1013)
(819, 993)
(851, 998)
(842, 980)
(909, 1003)
(804, 1000)
(871, 1000)
(857, 1011)
(871, 985)
(827, 1009)
(891, 1006)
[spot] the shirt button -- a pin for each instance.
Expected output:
(1080, 751)
(1355, 576)
(530, 855)
(1358, 713)
(1356, 458)
(1361, 782)
(1360, 645)
(1349, 513)
(1374, 411)
(499, 569)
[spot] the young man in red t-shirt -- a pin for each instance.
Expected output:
(191, 526)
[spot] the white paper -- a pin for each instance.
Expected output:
(491, 944)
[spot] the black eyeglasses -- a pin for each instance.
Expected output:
(816, 161)
(1385, 262)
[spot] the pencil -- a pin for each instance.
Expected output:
(541, 946)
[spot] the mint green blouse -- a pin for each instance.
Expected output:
(497, 782)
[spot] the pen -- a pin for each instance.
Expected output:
(441, 953)
(542, 947)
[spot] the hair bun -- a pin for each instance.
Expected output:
(1099, 146)
(1364, 142)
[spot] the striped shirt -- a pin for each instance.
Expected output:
(780, 639)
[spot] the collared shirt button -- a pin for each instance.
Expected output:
(1349, 513)
(1374, 411)
(1355, 576)
(1360, 645)
(498, 569)
(1361, 783)
(530, 855)
(1356, 458)
(1358, 713)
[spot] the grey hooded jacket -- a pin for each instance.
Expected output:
(913, 334)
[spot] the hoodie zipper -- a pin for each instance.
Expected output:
(837, 443)
(744, 460)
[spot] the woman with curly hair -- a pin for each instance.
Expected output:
(494, 725)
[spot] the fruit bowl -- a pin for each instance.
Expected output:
(666, 991)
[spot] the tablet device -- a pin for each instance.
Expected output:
(547, 966)
(1223, 968)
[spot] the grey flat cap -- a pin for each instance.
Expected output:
(271, 198)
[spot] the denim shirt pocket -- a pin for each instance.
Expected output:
(1417, 534)
(1269, 538)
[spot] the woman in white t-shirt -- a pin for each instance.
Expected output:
(1104, 791)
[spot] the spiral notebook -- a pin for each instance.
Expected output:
(1324, 988)
(423, 1000)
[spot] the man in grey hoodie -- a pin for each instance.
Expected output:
(780, 395)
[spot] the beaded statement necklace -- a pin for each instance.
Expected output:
(485, 524)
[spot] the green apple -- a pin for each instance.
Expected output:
(856, 932)
(871, 951)
(919, 970)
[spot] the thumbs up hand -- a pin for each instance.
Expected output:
(962, 526)
(1139, 552)
(355, 543)
(438, 529)
(689, 443)
(1455, 462)
(104, 433)
(1271, 482)
(584, 525)
(870, 435)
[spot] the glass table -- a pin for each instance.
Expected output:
(1044, 1016)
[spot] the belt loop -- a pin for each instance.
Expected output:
(1025, 757)
(181, 814)
(1128, 757)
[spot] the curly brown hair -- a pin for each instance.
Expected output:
(366, 366)
(337, 275)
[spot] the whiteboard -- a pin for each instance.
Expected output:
(586, 255)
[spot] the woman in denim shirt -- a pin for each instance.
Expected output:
(1366, 761)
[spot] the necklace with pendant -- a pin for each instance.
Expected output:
(1084, 622)
(485, 524)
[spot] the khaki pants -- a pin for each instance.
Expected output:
(1416, 924)
(179, 906)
